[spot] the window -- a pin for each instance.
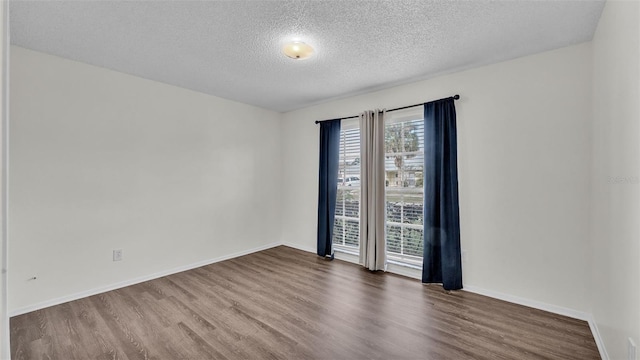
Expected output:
(404, 163)
(346, 230)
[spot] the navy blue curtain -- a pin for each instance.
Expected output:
(328, 184)
(442, 261)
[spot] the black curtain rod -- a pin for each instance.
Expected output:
(454, 97)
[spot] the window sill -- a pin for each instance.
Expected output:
(395, 267)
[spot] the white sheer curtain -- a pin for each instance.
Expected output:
(372, 184)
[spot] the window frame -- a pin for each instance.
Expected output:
(347, 125)
(401, 258)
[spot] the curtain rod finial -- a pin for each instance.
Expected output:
(456, 97)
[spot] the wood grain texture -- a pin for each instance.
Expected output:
(284, 303)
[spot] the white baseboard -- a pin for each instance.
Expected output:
(580, 315)
(299, 247)
(110, 287)
(596, 335)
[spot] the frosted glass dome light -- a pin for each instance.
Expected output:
(298, 50)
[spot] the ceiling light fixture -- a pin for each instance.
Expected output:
(297, 50)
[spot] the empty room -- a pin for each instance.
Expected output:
(320, 179)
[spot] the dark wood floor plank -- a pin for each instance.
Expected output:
(283, 303)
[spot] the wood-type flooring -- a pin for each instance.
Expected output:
(284, 303)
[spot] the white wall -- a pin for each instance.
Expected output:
(524, 156)
(615, 216)
(4, 51)
(101, 160)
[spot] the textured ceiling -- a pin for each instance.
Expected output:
(232, 49)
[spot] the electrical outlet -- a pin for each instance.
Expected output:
(117, 255)
(632, 350)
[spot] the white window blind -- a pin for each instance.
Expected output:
(346, 231)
